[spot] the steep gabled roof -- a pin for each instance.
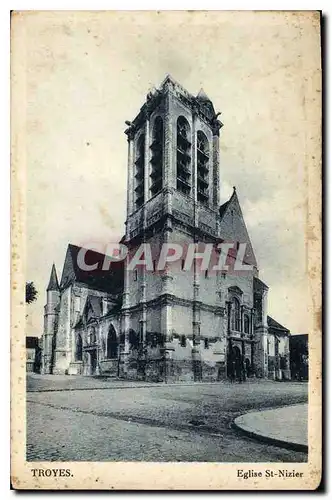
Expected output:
(53, 284)
(272, 323)
(233, 227)
(93, 307)
(92, 310)
(109, 280)
(96, 305)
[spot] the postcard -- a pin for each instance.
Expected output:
(166, 250)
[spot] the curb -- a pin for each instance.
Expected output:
(143, 386)
(269, 440)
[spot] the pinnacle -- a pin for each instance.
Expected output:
(53, 283)
(202, 95)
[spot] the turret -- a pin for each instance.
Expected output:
(50, 320)
(53, 289)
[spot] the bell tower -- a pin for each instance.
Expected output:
(173, 143)
(172, 197)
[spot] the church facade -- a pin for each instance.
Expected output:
(168, 324)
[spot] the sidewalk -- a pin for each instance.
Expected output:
(286, 427)
(50, 383)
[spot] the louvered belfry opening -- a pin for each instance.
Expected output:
(139, 172)
(202, 168)
(183, 157)
(157, 152)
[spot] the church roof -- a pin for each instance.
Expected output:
(261, 283)
(223, 207)
(108, 280)
(272, 323)
(233, 228)
(53, 284)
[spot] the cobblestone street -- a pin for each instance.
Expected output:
(96, 420)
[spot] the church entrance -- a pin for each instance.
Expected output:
(235, 368)
(93, 361)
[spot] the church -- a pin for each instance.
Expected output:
(171, 324)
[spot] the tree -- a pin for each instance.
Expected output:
(30, 292)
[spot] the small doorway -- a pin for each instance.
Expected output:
(234, 363)
(112, 344)
(93, 361)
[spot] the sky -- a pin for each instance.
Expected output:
(86, 73)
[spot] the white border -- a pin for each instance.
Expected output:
(5, 7)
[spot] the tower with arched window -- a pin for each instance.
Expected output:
(172, 197)
(173, 143)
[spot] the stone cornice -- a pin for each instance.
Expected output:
(248, 340)
(171, 300)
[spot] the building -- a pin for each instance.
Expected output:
(170, 324)
(277, 350)
(299, 357)
(33, 354)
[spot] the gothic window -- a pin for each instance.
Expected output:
(79, 346)
(246, 322)
(236, 315)
(157, 148)
(183, 157)
(206, 343)
(112, 344)
(202, 167)
(183, 341)
(139, 171)
(92, 339)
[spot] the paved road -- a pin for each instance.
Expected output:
(157, 423)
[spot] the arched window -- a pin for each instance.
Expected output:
(78, 354)
(246, 325)
(202, 167)
(139, 171)
(112, 343)
(236, 315)
(183, 157)
(92, 338)
(157, 148)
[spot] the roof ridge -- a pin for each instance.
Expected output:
(276, 324)
(72, 246)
